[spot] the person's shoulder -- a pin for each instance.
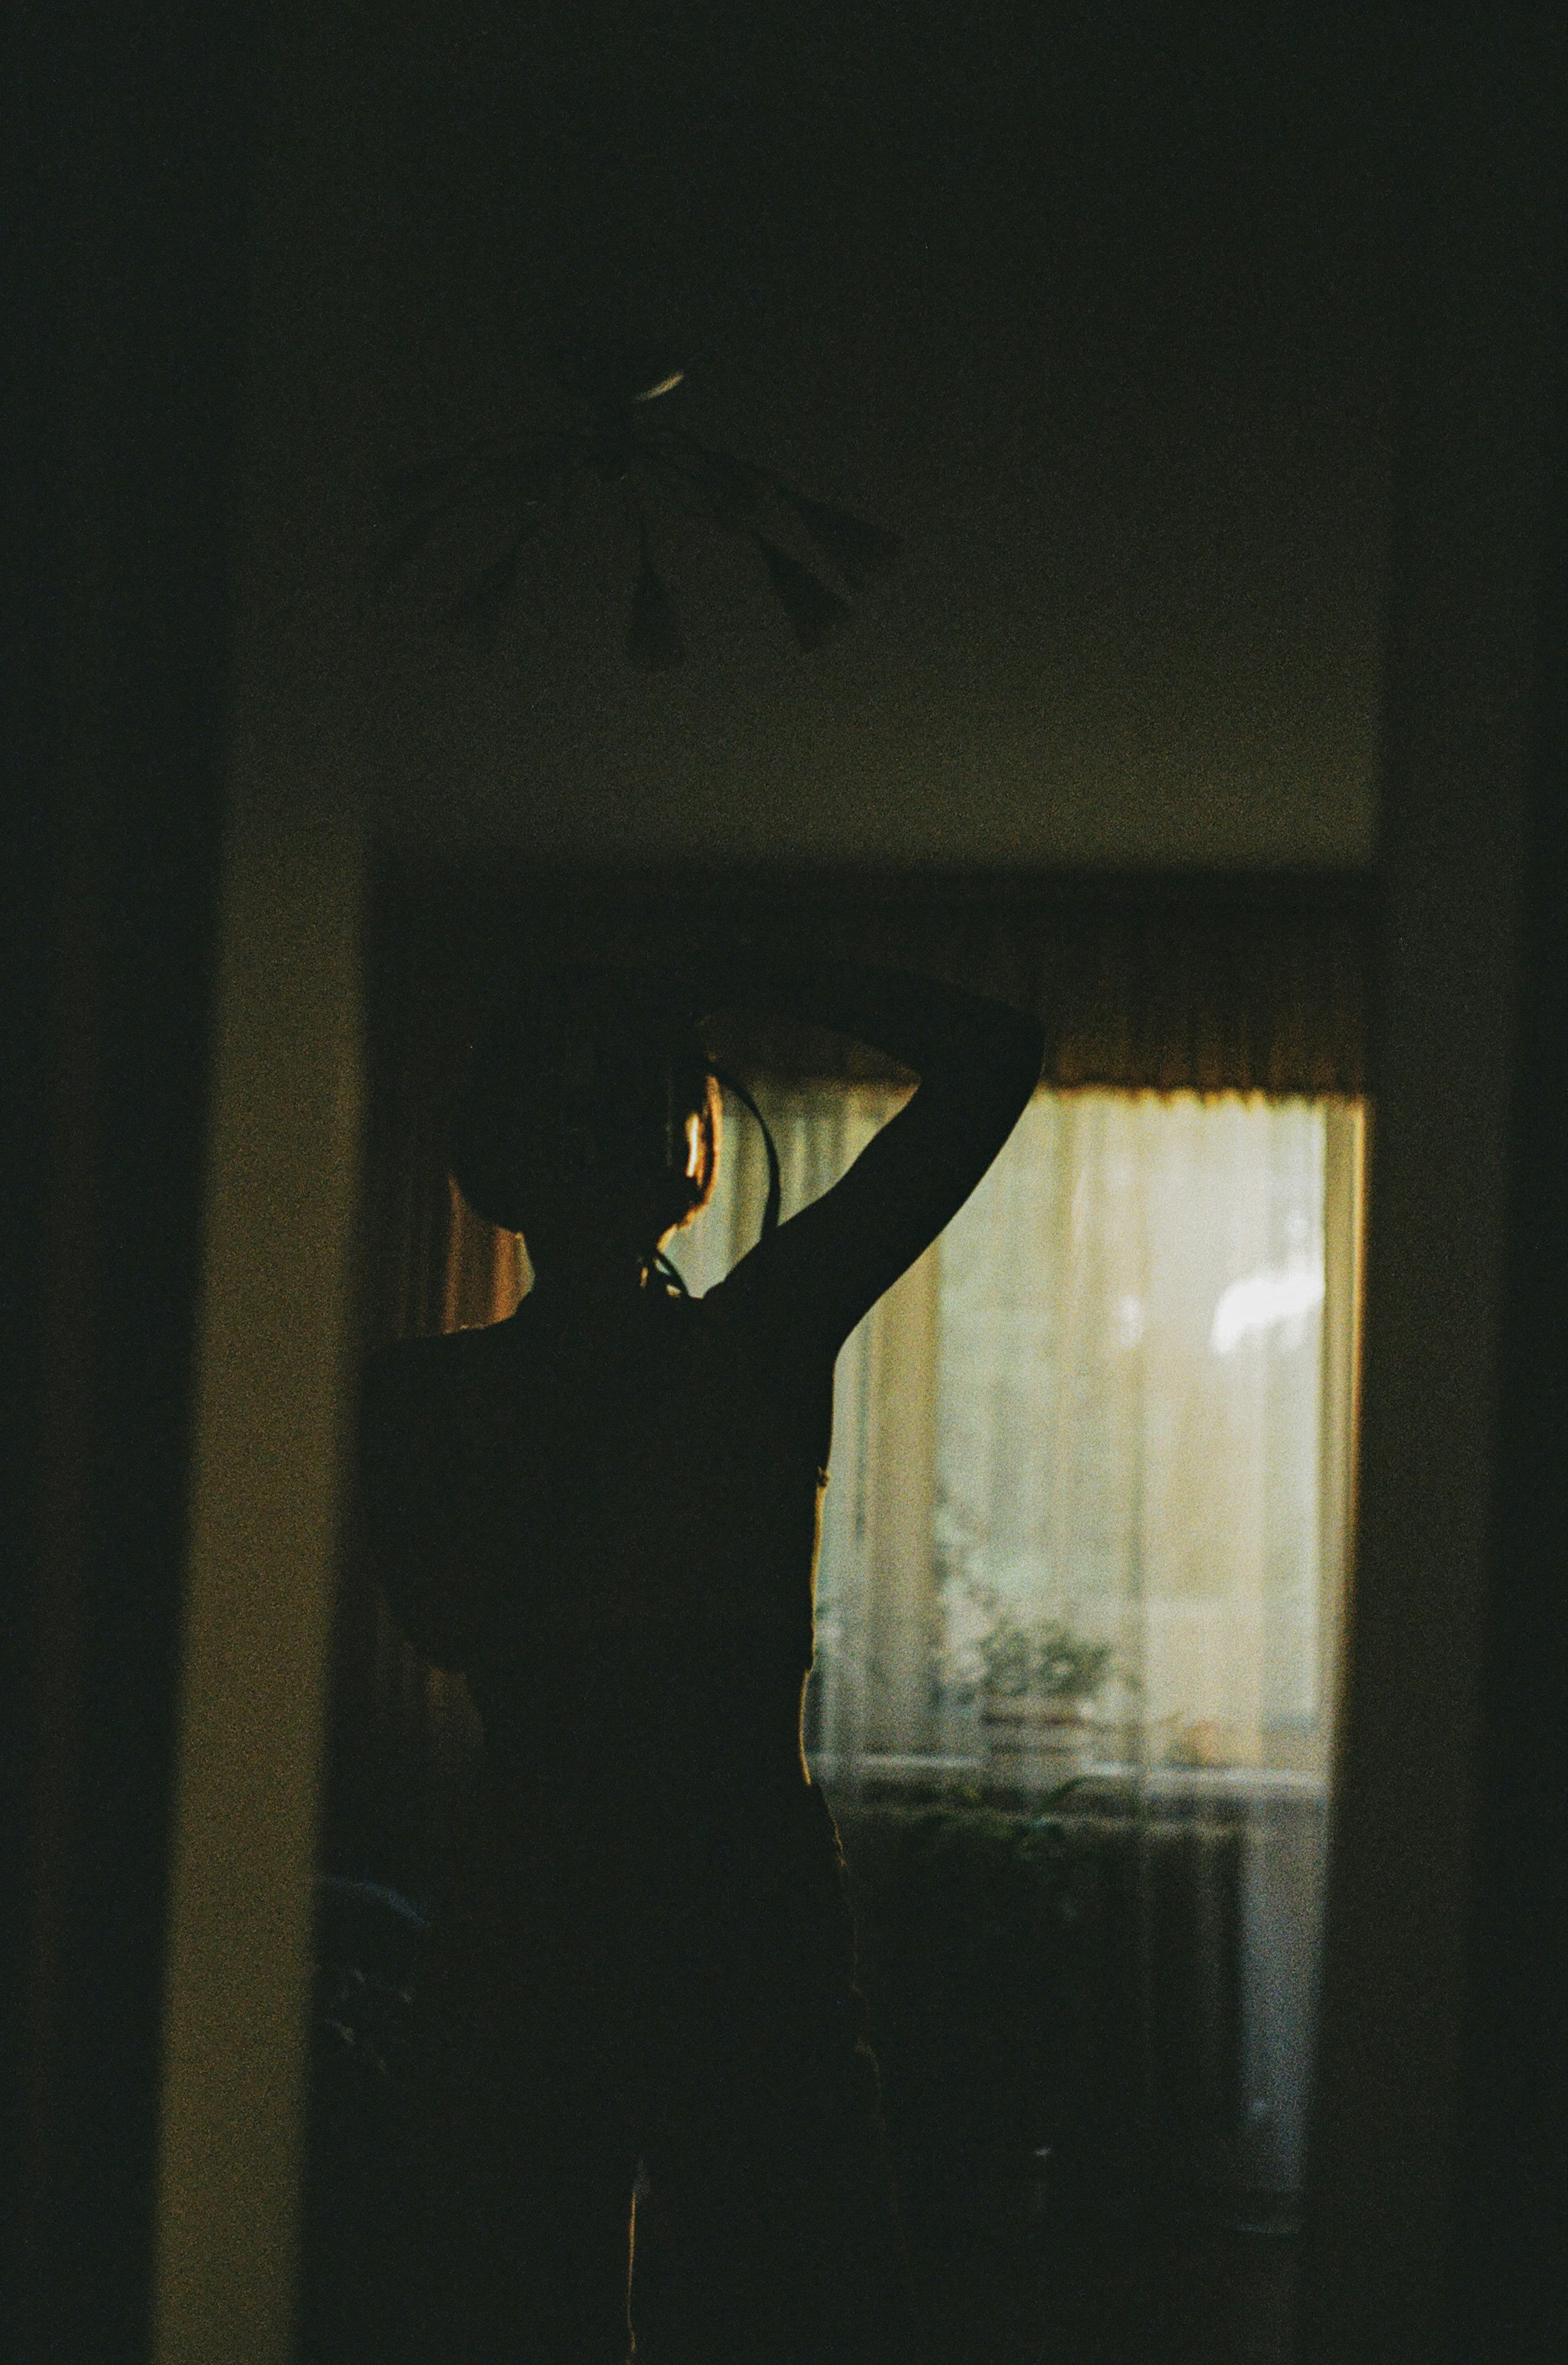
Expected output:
(734, 1301)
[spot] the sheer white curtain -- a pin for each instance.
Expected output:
(1108, 1412)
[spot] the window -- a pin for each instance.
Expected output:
(1084, 1553)
(1087, 1499)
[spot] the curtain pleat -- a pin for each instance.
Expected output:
(1201, 983)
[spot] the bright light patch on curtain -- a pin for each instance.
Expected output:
(1264, 1299)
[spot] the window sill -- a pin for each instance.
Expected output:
(1240, 1784)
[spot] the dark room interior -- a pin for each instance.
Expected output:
(1204, 369)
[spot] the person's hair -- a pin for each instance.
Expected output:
(597, 1073)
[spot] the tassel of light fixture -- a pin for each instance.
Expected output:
(815, 613)
(652, 636)
(862, 554)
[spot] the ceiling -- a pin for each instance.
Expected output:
(1093, 309)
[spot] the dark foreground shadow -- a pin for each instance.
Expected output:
(1033, 2240)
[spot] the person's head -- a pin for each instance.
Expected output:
(589, 1119)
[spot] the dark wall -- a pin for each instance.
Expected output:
(1460, 1385)
(127, 144)
(1513, 2196)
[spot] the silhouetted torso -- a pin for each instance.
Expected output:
(609, 1520)
(618, 1552)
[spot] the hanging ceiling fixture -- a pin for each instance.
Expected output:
(611, 435)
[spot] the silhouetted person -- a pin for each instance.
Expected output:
(605, 1511)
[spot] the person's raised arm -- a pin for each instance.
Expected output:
(977, 1062)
